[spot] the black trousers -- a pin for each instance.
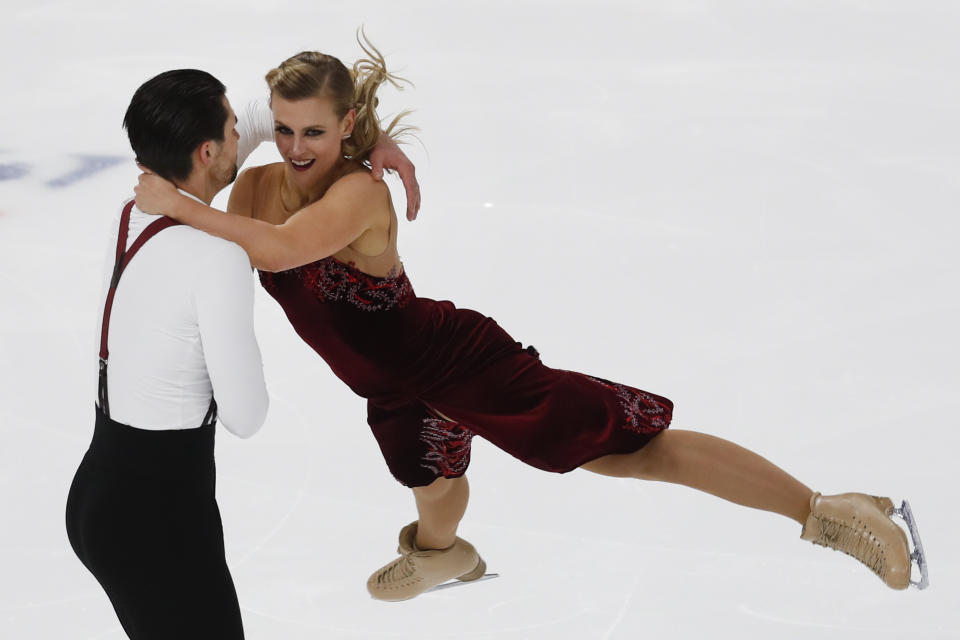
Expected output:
(143, 518)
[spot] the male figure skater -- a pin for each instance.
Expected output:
(176, 332)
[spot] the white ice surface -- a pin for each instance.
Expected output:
(747, 206)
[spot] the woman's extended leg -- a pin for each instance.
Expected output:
(713, 465)
(854, 523)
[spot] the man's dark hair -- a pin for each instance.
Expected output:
(171, 115)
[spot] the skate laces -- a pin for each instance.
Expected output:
(860, 543)
(401, 569)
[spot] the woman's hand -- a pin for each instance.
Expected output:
(156, 195)
(387, 155)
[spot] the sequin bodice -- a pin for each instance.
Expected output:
(331, 280)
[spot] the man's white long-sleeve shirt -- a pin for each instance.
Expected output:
(182, 328)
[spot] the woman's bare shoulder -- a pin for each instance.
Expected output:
(255, 175)
(359, 183)
(244, 192)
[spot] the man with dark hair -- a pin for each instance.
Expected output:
(171, 115)
(142, 514)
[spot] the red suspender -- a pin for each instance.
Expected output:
(122, 260)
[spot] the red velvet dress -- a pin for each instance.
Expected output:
(436, 375)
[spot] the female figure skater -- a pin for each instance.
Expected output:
(323, 234)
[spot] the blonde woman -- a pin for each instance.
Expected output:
(323, 234)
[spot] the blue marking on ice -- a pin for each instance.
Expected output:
(89, 165)
(13, 171)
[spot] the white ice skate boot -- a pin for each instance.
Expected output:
(416, 571)
(860, 525)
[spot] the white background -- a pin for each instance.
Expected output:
(747, 206)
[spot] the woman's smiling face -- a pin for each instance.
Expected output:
(309, 136)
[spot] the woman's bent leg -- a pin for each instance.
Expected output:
(430, 551)
(713, 465)
(441, 506)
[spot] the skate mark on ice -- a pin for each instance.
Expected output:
(366, 632)
(769, 617)
(623, 610)
(46, 603)
(274, 531)
(569, 537)
(293, 621)
(572, 615)
(301, 494)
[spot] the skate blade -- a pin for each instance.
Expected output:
(458, 583)
(917, 555)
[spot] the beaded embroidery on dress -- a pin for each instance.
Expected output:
(448, 445)
(336, 281)
(643, 412)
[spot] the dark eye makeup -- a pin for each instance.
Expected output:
(285, 130)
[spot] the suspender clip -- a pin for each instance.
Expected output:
(104, 402)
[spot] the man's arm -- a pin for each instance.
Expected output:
(224, 304)
(387, 155)
(254, 125)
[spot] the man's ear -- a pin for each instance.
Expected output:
(204, 153)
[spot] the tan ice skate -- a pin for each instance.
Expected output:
(860, 525)
(416, 571)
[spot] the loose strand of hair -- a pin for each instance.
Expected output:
(369, 74)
